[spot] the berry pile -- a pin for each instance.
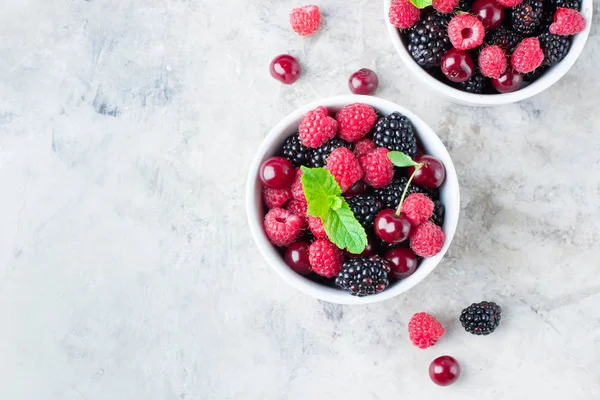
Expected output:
(364, 170)
(487, 46)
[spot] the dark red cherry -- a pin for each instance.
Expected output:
(368, 251)
(489, 12)
(510, 81)
(402, 261)
(392, 228)
(457, 65)
(444, 370)
(363, 81)
(359, 187)
(285, 69)
(431, 175)
(296, 256)
(277, 173)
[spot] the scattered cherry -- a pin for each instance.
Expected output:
(403, 262)
(510, 81)
(444, 370)
(489, 12)
(363, 81)
(368, 251)
(285, 69)
(431, 175)
(296, 256)
(392, 228)
(457, 65)
(359, 187)
(277, 173)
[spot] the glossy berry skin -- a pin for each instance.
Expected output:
(510, 81)
(489, 12)
(457, 65)
(358, 188)
(444, 370)
(403, 262)
(363, 81)
(431, 175)
(296, 257)
(277, 173)
(392, 228)
(285, 69)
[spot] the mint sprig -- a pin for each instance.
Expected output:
(325, 201)
(400, 159)
(421, 3)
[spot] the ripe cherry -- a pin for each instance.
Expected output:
(392, 228)
(359, 187)
(444, 370)
(277, 173)
(489, 12)
(457, 65)
(296, 256)
(368, 251)
(432, 173)
(285, 69)
(363, 81)
(510, 81)
(403, 262)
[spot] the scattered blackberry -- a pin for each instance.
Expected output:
(318, 156)
(481, 318)
(505, 38)
(555, 48)
(389, 196)
(363, 276)
(534, 75)
(475, 84)
(428, 40)
(465, 5)
(527, 16)
(365, 209)
(295, 151)
(438, 213)
(574, 4)
(395, 132)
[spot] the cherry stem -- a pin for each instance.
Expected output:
(399, 209)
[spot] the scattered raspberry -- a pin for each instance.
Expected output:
(379, 170)
(281, 226)
(492, 61)
(344, 167)
(527, 56)
(424, 330)
(445, 6)
(316, 227)
(355, 121)
(305, 20)
(509, 3)
(427, 239)
(274, 198)
(403, 14)
(567, 22)
(465, 31)
(417, 208)
(299, 208)
(297, 191)
(317, 127)
(325, 258)
(363, 146)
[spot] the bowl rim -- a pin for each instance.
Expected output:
(427, 136)
(553, 75)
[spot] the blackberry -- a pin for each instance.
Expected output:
(295, 151)
(505, 38)
(439, 212)
(389, 196)
(527, 16)
(364, 276)
(555, 48)
(428, 40)
(395, 132)
(318, 157)
(481, 318)
(574, 4)
(474, 84)
(465, 5)
(365, 209)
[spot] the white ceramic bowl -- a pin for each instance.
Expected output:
(449, 195)
(483, 100)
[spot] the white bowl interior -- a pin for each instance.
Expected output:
(449, 195)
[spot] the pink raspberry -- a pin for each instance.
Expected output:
(379, 170)
(445, 6)
(299, 208)
(427, 239)
(492, 61)
(316, 227)
(355, 121)
(325, 258)
(417, 208)
(282, 227)
(527, 56)
(317, 128)
(509, 3)
(274, 198)
(297, 190)
(403, 14)
(305, 20)
(466, 31)
(363, 146)
(424, 330)
(344, 167)
(567, 22)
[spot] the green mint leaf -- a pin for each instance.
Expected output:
(422, 3)
(335, 202)
(399, 159)
(344, 230)
(319, 185)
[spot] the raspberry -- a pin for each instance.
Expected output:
(403, 14)
(297, 191)
(363, 146)
(299, 208)
(445, 6)
(281, 226)
(355, 121)
(492, 61)
(527, 56)
(427, 239)
(344, 167)
(417, 208)
(509, 3)
(378, 169)
(465, 31)
(325, 258)
(567, 22)
(316, 227)
(305, 20)
(317, 127)
(274, 198)
(424, 330)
